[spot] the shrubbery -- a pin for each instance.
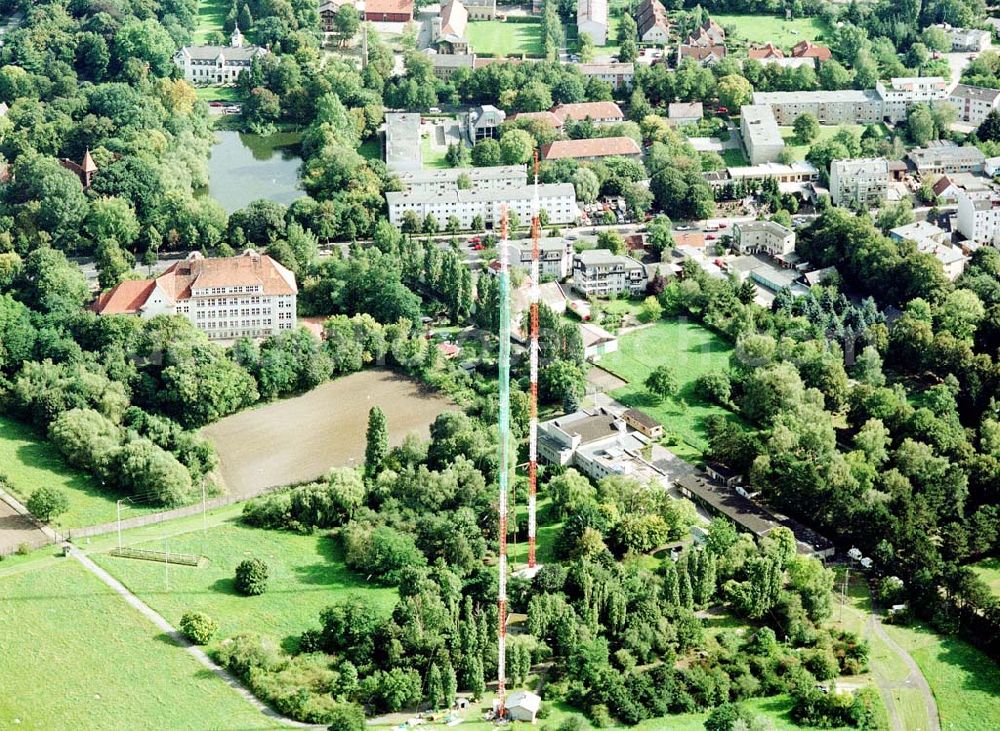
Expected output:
(198, 626)
(46, 503)
(251, 577)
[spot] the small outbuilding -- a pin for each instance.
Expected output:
(522, 705)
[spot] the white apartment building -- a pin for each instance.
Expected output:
(861, 182)
(599, 273)
(250, 295)
(761, 135)
(966, 40)
(752, 237)
(979, 214)
(900, 93)
(945, 157)
(592, 19)
(558, 200)
(487, 178)
(618, 75)
(555, 256)
(403, 152)
(974, 102)
(848, 106)
(217, 64)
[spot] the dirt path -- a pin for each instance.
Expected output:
(914, 680)
(168, 629)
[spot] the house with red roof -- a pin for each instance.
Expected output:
(250, 295)
(808, 49)
(389, 11)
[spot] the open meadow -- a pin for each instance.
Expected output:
(211, 16)
(691, 351)
(761, 29)
(299, 439)
(74, 655)
(500, 38)
(307, 573)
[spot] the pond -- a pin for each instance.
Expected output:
(243, 168)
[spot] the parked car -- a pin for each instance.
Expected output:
(475, 240)
(478, 247)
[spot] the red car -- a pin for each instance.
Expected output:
(477, 247)
(475, 240)
(709, 237)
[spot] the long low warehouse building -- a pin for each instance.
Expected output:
(558, 200)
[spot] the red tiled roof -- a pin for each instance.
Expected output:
(125, 298)
(943, 183)
(808, 49)
(595, 147)
(700, 53)
(389, 7)
(594, 110)
(768, 51)
(543, 116)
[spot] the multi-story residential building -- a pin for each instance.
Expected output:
(761, 135)
(900, 93)
(944, 156)
(862, 182)
(596, 112)
(555, 256)
(919, 231)
(402, 142)
(847, 106)
(974, 102)
(967, 40)
(250, 295)
(485, 122)
(979, 213)
(935, 241)
(488, 178)
(618, 75)
(592, 149)
(652, 22)
(752, 237)
(217, 64)
(558, 200)
(448, 28)
(600, 273)
(592, 20)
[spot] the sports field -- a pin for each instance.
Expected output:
(211, 16)
(298, 439)
(75, 655)
(760, 29)
(29, 461)
(307, 573)
(499, 38)
(691, 351)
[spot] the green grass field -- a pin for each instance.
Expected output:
(211, 16)
(75, 655)
(432, 157)
(29, 461)
(691, 351)
(825, 133)
(735, 158)
(218, 93)
(498, 38)
(989, 571)
(965, 682)
(761, 29)
(307, 573)
(371, 149)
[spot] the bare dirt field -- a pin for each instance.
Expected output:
(16, 529)
(299, 439)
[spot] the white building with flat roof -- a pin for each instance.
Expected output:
(761, 135)
(847, 106)
(402, 142)
(600, 273)
(974, 102)
(945, 157)
(978, 215)
(862, 182)
(900, 93)
(558, 200)
(753, 237)
(487, 178)
(555, 256)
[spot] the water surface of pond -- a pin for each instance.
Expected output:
(244, 167)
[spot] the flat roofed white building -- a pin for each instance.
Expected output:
(402, 142)
(558, 200)
(752, 237)
(600, 273)
(848, 106)
(900, 93)
(555, 256)
(761, 135)
(862, 182)
(944, 156)
(487, 178)
(592, 19)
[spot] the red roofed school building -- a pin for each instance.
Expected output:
(250, 295)
(389, 11)
(592, 149)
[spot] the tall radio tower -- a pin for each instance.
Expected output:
(533, 349)
(504, 436)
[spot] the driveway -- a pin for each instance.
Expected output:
(914, 680)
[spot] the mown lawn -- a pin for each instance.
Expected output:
(371, 149)
(735, 158)
(28, 461)
(432, 157)
(690, 350)
(825, 132)
(307, 573)
(989, 571)
(211, 16)
(499, 38)
(760, 29)
(75, 655)
(965, 682)
(218, 93)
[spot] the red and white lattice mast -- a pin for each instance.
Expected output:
(533, 350)
(505, 462)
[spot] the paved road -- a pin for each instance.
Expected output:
(168, 629)
(915, 680)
